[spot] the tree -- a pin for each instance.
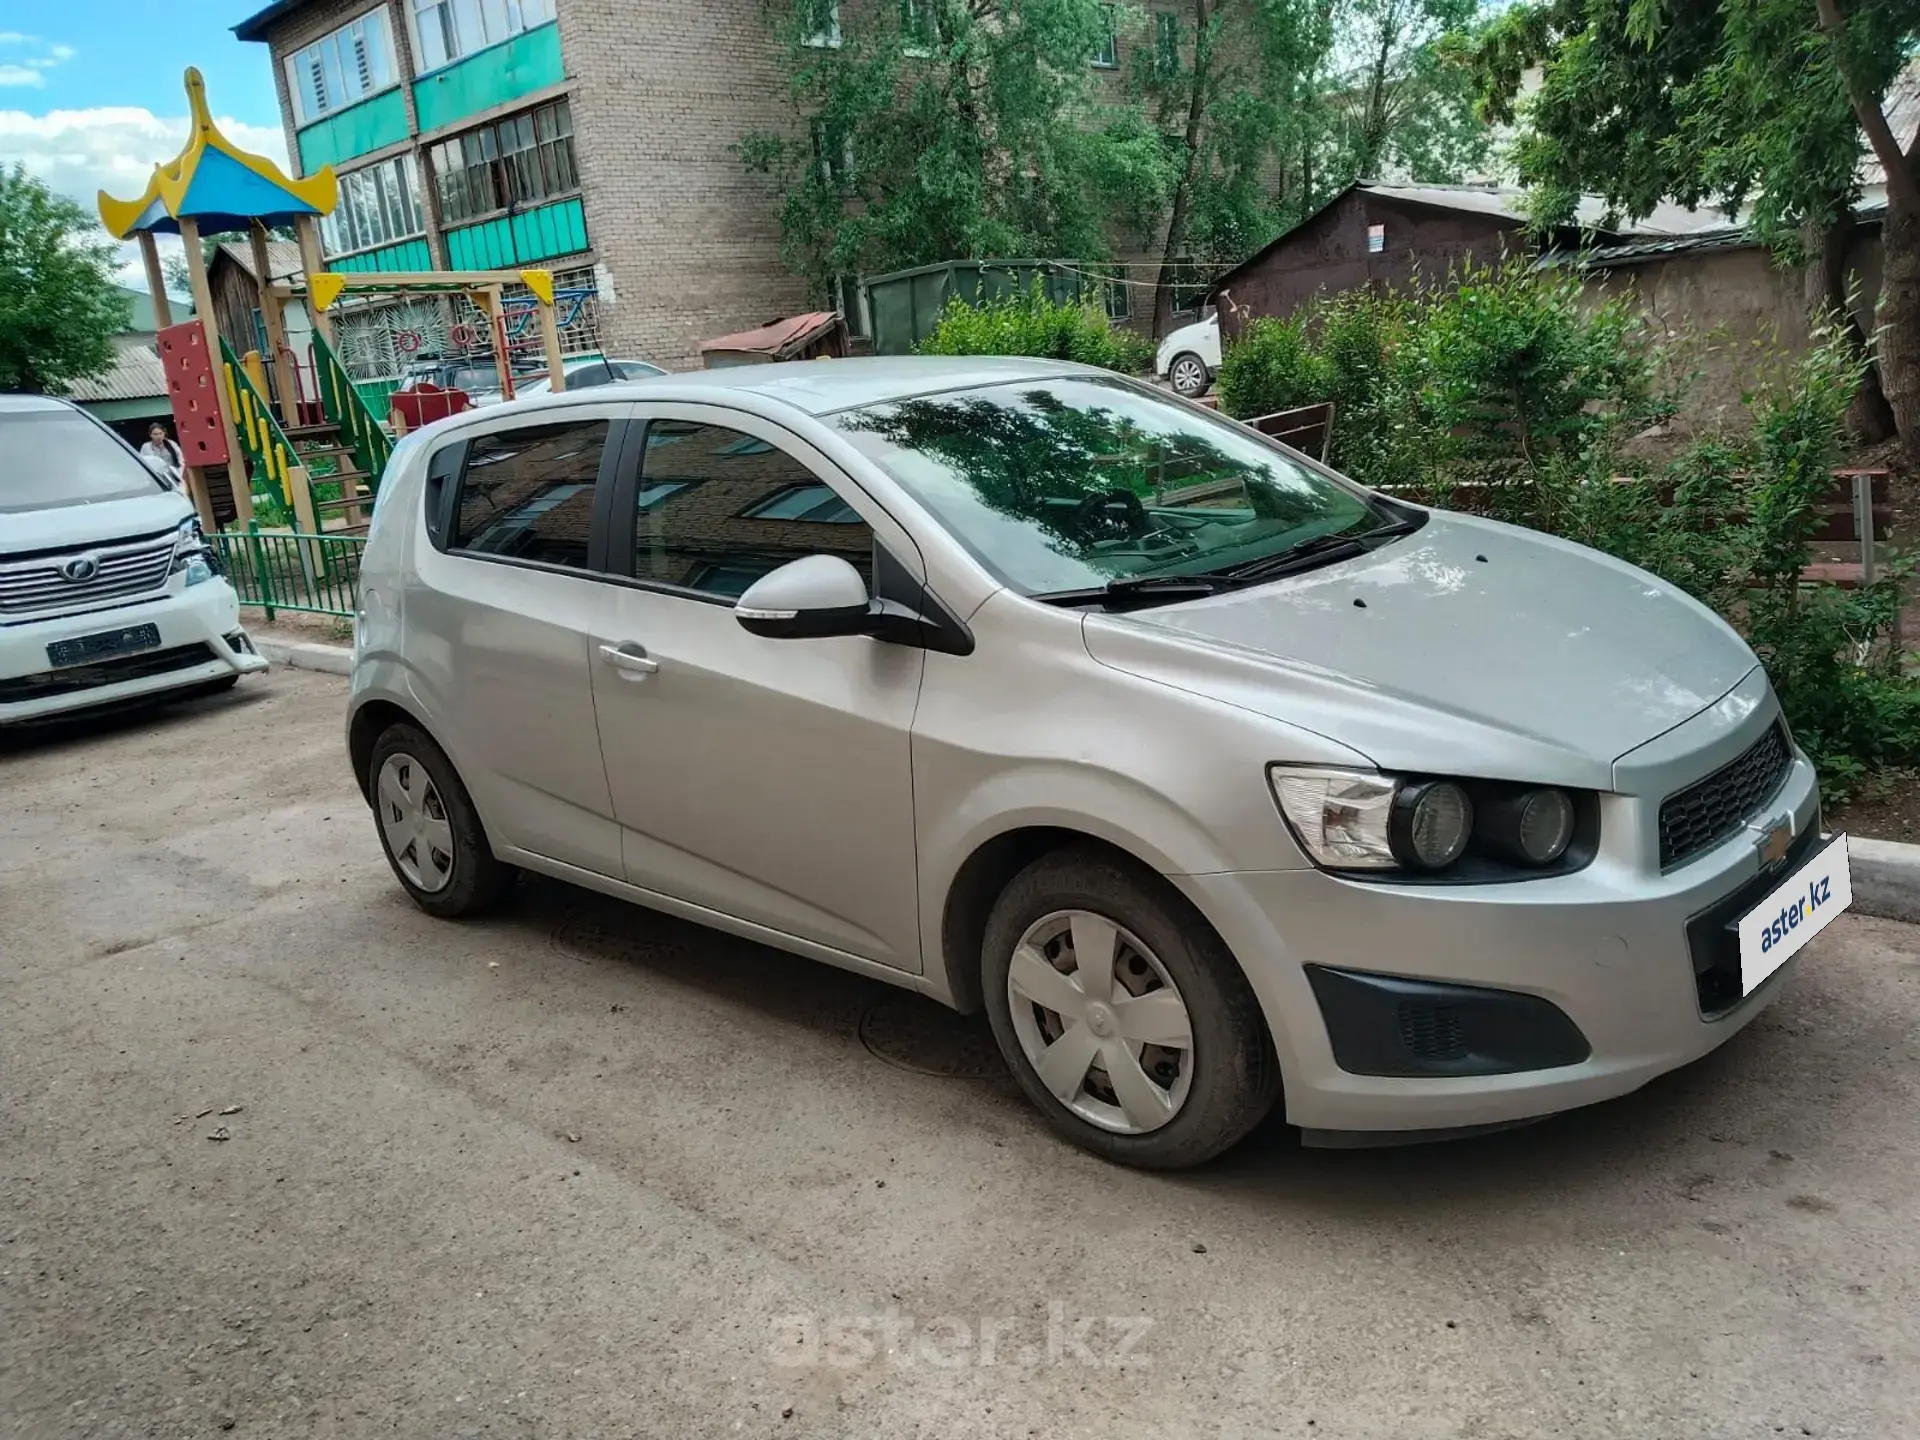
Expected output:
(1733, 102)
(59, 306)
(930, 130)
(1232, 85)
(1406, 98)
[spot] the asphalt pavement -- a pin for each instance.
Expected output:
(282, 1157)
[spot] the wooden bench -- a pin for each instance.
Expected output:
(1308, 428)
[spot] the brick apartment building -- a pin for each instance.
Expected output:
(590, 137)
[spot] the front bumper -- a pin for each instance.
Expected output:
(203, 618)
(1607, 945)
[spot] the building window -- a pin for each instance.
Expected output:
(916, 27)
(813, 503)
(1106, 54)
(378, 206)
(342, 68)
(823, 19)
(1166, 42)
(521, 160)
(833, 149)
(448, 30)
(1119, 298)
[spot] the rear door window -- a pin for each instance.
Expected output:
(527, 493)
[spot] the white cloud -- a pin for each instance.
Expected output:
(114, 148)
(31, 67)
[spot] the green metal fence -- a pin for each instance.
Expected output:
(289, 570)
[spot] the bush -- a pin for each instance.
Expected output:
(1031, 324)
(1272, 368)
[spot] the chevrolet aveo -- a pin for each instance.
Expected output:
(1214, 778)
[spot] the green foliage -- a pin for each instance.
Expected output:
(1031, 324)
(59, 306)
(1504, 394)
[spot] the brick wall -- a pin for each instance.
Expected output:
(661, 89)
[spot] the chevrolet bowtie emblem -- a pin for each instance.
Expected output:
(1775, 841)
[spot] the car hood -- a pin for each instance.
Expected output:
(1468, 647)
(72, 526)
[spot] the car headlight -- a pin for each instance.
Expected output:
(192, 556)
(1361, 820)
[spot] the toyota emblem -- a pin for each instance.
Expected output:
(80, 568)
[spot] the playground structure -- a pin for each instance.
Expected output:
(247, 423)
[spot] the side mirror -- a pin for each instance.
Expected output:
(810, 599)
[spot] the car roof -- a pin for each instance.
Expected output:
(31, 404)
(819, 387)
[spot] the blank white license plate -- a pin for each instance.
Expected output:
(1803, 905)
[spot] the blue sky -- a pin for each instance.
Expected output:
(91, 94)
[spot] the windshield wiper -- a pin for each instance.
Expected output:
(1320, 550)
(1148, 589)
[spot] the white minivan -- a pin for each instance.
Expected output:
(109, 593)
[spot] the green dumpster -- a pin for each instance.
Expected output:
(905, 306)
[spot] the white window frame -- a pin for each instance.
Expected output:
(297, 66)
(827, 37)
(1107, 56)
(366, 201)
(491, 22)
(912, 14)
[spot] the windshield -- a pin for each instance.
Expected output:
(57, 457)
(1068, 483)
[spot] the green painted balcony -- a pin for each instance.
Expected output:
(377, 121)
(523, 239)
(488, 78)
(407, 255)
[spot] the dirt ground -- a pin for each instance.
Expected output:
(282, 1157)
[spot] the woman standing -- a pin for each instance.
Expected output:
(165, 450)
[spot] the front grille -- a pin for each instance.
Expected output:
(126, 569)
(75, 678)
(1708, 811)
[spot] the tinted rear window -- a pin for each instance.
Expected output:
(56, 457)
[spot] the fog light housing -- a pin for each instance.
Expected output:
(1533, 827)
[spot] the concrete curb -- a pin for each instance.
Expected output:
(1886, 874)
(306, 655)
(1886, 878)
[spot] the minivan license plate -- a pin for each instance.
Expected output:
(1799, 908)
(88, 648)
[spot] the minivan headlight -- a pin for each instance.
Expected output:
(1362, 820)
(192, 555)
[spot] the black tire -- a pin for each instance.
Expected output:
(476, 881)
(1236, 1076)
(1174, 366)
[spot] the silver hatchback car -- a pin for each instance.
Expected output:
(1213, 777)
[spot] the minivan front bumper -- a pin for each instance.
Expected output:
(1607, 946)
(200, 640)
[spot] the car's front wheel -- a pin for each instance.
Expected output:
(1122, 1015)
(1188, 374)
(430, 829)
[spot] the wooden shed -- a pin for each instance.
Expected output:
(1372, 234)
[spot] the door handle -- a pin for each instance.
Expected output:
(630, 658)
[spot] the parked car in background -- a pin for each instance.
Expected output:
(584, 374)
(1189, 357)
(1212, 776)
(109, 593)
(478, 379)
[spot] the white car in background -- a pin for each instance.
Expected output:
(1189, 358)
(109, 593)
(586, 373)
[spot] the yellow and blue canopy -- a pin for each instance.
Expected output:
(217, 185)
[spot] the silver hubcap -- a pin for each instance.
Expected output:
(1188, 377)
(1101, 1022)
(415, 822)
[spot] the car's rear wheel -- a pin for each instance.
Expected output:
(1122, 1015)
(429, 828)
(1188, 374)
